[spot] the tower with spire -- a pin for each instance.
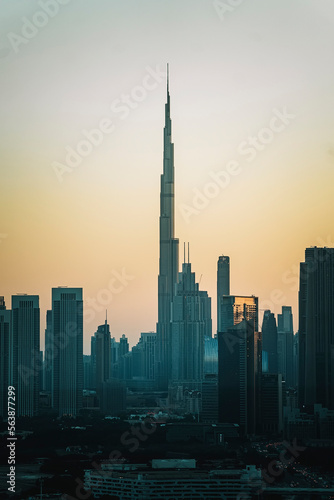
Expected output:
(168, 252)
(191, 324)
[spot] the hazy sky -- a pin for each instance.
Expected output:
(252, 106)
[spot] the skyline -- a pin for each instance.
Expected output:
(82, 211)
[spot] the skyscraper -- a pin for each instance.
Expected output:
(285, 345)
(168, 253)
(271, 403)
(269, 340)
(25, 353)
(235, 309)
(123, 345)
(316, 328)
(48, 353)
(5, 326)
(191, 315)
(223, 285)
(237, 376)
(67, 345)
(102, 354)
(149, 340)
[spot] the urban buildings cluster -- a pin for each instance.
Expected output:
(264, 381)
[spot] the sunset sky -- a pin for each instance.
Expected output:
(233, 73)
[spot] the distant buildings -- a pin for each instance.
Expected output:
(314, 428)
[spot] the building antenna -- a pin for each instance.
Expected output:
(184, 252)
(188, 252)
(167, 77)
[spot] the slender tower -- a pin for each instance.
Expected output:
(169, 253)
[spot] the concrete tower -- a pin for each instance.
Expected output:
(169, 252)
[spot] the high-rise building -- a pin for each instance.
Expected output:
(210, 398)
(258, 380)
(168, 254)
(114, 350)
(271, 403)
(285, 345)
(235, 309)
(316, 328)
(25, 353)
(236, 376)
(295, 360)
(67, 345)
(210, 356)
(191, 315)
(5, 327)
(223, 285)
(269, 340)
(123, 345)
(102, 354)
(149, 340)
(88, 380)
(113, 396)
(48, 353)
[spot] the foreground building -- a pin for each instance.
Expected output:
(235, 309)
(316, 328)
(171, 479)
(67, 350)
(25, 366)
(237, 376)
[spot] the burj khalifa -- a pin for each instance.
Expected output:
(168, 254)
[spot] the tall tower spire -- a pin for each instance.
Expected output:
(167, 79)
(168, 250)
